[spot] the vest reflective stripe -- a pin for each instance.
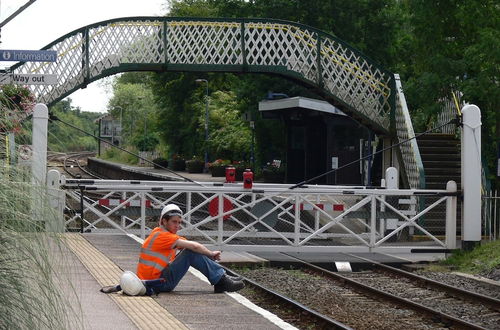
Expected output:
(153, 239)
(151, 264)
(158, 255)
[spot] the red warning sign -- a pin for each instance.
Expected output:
(213, 207)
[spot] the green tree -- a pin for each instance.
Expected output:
(456, 47)
(230, 137)
(133, 103)
(64, 138)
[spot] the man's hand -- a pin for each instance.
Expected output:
(215, 255)
(197, 247)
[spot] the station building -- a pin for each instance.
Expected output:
(319, 138)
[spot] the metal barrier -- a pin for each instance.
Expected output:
(267, 217)
(491, 215)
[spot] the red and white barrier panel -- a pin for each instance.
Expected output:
(116, 202)
(324, 207)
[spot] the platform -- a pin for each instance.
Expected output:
(100, 259)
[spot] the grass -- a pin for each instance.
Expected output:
(483, 259)
(34, 290)
(118, 156)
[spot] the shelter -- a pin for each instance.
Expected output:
(320, 138)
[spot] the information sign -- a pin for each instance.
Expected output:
(17, 55)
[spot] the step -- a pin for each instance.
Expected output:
(440, 157)
(441, 178)
(436, 136)
(428, 164)
(439, 150)
(433, 183)
(444, 170)
(450, 143)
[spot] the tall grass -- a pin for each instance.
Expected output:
(33, 291)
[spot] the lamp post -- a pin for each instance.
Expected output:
(206, 121)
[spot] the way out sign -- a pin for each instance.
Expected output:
(29, 79)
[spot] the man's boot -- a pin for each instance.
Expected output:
(235, 278)
(228, 285)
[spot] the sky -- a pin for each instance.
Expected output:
(46, 20)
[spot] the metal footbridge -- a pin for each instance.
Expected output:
(337, 72)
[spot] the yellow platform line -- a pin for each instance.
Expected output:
(144, 311)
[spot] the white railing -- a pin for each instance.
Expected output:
(491, 215)
(410, 155)
(269, 217)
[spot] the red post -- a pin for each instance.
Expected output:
(230, 174)
(247, 179)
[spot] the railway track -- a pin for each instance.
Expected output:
(290, 310)
(73, 166)
(72, 163)
(451, 306)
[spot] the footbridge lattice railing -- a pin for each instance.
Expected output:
(342, 74)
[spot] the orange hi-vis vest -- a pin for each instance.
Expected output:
(156, 253)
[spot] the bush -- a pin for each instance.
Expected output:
(218, 167)
(195, 165)
(178, 163)
(241, 166)
(162, 162)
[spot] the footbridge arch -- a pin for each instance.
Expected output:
(339, 73)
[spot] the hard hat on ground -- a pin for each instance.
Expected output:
(131, 284)
(170, 210)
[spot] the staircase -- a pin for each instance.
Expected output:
(441, 158)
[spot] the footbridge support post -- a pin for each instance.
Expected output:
(471, 176)
(39, 143)
(39, 164)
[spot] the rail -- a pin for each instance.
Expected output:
(380, 285)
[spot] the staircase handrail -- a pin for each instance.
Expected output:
(449, 111)
(413, 169)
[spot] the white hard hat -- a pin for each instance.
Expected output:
(170, 210)
(131, 284)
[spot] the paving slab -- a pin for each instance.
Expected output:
(95, 310)
(192, 302)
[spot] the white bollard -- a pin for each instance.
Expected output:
(392, 182)
(451, 216)
(392, 178)
(40, 123)
(471, 176)
(56, 199)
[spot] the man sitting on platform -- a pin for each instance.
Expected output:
(160, 268)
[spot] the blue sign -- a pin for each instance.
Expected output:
(28, 55)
